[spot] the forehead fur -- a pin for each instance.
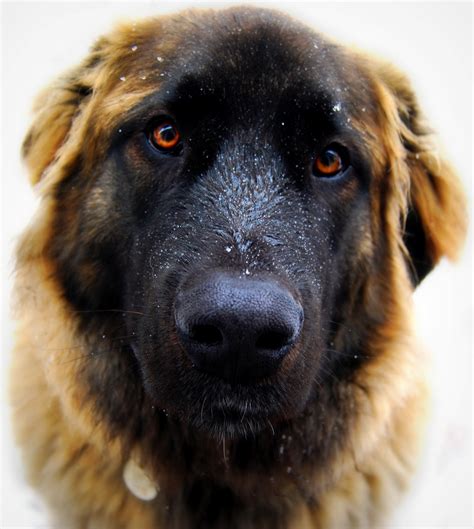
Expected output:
(237, 54)
(241, 54)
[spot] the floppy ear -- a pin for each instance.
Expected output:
(55, 110)
(435, 218)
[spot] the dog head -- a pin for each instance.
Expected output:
(236, 206)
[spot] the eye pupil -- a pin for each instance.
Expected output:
(330, 158)
(167, 133)
(329, 163)
(165, 136)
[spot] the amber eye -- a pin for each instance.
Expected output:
(330, 162)
(165, 136)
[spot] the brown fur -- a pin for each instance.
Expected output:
(73, 456)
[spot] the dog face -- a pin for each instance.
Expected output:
(235, 255)
(228, 196)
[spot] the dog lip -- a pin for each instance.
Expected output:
(235, 414)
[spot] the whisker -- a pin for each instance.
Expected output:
(91, 354)
(344, 354)
(224, 452)
(244, 411)
(84, 346)
(271, 427)
(122, 311)
(202, 409)
(327, 372)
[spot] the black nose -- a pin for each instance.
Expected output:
(237, 328)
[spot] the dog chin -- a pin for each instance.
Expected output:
(232, 423)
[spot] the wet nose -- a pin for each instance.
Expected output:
(238, 329)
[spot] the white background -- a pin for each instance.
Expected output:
(432, 43)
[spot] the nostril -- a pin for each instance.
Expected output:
(206, 335)
(272, 340)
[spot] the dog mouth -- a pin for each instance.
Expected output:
(215, 407)
(235, 417)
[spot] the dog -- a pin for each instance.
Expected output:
(214, 296)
